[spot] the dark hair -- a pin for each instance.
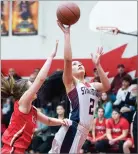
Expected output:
(61, 105)
(97, 79)
(134, 81)
(13, 88)
(127, 78)
(85, 75)
(95, 69)
(116, 110)
(120, 65)
(100, 108)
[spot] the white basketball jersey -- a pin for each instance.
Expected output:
(83, 99)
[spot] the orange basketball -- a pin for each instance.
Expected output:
(68, 13)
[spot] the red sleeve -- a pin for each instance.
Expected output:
(109, 124)
(125, 124)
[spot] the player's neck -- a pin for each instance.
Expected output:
(101, 118)
(80, 78)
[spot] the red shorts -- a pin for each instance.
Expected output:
(6, 149)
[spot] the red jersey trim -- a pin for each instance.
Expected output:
(12, 150)
(87, 84)
(17, 135)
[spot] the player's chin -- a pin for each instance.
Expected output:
(81, 72)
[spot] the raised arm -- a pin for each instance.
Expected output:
(67, 75)
(104, 85)
(27, 98)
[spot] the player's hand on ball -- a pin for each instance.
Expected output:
(55, 51)
(66, 30)
(96, 58)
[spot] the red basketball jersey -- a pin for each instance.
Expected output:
(100, 128)
(116, 129)
(21, 128)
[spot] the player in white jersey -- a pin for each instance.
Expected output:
(83, 98)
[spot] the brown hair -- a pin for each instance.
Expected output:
(100, 108)
(13, 88)
(127, 78)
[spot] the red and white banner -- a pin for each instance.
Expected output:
(25, 53)
(109, 62)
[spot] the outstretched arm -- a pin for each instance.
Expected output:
(51, 121)
(67, 75)
(104, 85)
(27, 98)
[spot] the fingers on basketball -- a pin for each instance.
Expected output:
(60, 24)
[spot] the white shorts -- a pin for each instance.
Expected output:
(69, 139)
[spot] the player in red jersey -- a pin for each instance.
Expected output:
(18, 135)
(99, 126)
(117, 132)
(98, 132)
(127, 141)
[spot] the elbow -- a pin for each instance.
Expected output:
(107, 87)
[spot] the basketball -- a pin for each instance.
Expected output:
(68, 13)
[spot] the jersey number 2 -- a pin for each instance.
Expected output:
(91, 106)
